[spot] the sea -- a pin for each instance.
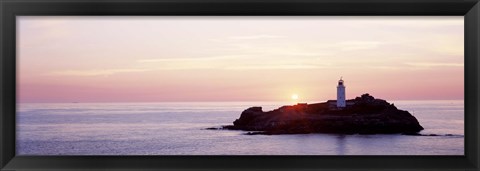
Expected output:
(180, 129)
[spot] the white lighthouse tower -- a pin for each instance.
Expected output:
(341, 94)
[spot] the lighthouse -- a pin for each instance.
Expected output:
(341, 94)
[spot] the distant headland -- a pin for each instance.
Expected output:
(361, 115)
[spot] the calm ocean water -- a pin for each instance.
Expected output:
(179, 129)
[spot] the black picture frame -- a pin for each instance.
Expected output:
(9, 9)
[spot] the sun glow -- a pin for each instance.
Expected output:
(294, 96)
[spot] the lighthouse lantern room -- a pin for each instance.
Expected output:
(341, 94)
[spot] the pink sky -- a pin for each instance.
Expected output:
(150, 59)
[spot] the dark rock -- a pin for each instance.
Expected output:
(257, 133)
(215, 128)
(412, 133)
(366, 115)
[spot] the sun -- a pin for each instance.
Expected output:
(294, 96)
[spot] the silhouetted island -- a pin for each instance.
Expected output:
(362, 115)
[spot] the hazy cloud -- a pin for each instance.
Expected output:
(260, 67)
(191, 59)
(430, 64)
(253, 37)
(358, 45)
(95, 72)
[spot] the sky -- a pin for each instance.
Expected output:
(193, 58)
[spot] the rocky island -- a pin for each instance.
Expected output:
(361, 115)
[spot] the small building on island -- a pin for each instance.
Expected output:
(341, 101)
